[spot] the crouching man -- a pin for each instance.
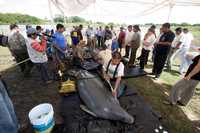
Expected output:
(113, 71)
(184, 89)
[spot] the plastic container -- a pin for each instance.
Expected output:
(41, 118)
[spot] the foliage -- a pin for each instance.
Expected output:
(8, 18)
(73, 19)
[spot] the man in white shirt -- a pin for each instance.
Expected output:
(185, 47)
(176, 44)
(128, 39)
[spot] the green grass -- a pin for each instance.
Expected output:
(154, 93)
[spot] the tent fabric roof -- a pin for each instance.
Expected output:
(139, 8)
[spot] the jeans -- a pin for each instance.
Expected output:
(8, 120)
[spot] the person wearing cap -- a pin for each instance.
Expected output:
(135, 44)
(162, 49)
(17, 47)
(37, 53)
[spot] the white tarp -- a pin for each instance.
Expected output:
(72, 7)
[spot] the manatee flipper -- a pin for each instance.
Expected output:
(84, 108)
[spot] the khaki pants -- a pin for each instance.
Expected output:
(183, 91)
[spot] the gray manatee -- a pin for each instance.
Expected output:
(98, 99)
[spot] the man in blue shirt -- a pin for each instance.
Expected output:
(59, 42)
(162, 50)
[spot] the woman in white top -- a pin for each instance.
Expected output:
(113, 71)
(148, 42)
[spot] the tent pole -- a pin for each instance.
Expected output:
(171, 6)
(50, 11)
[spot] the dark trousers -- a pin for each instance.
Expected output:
(133, 56)
(159, 60)
(100, 41)
(26, 66)
(127, 51)
(144, 58)
(42, 68)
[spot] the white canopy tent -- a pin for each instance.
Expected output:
(118, 11)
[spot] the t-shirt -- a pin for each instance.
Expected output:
(187, 40)
(121, 37)
(128, 38)
(60, 41)
(165, 37)
(150, 40)
(192, 66)
(136, 38)
(120, 70)
(178, 39)
(74, 36)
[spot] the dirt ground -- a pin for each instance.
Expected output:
(29, 92)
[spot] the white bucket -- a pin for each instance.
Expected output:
(41, 117)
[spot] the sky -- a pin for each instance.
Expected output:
(109, 11)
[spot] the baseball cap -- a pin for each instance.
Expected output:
(31, 31)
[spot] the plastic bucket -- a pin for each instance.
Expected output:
(41, 117)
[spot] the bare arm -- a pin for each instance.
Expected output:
(117, 83)
(194, 71)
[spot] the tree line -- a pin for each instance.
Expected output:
(8, 18)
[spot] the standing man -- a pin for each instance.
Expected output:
(128, 37)
(100, 37)
(79, 32)
(60, 47)
(135, 44)
(121, 38)
(176, 44)
(184, 50)
(162, 49)
(59, 41)
(17, 47)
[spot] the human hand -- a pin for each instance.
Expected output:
(187, 77)
(106, 77)
(114, 93)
